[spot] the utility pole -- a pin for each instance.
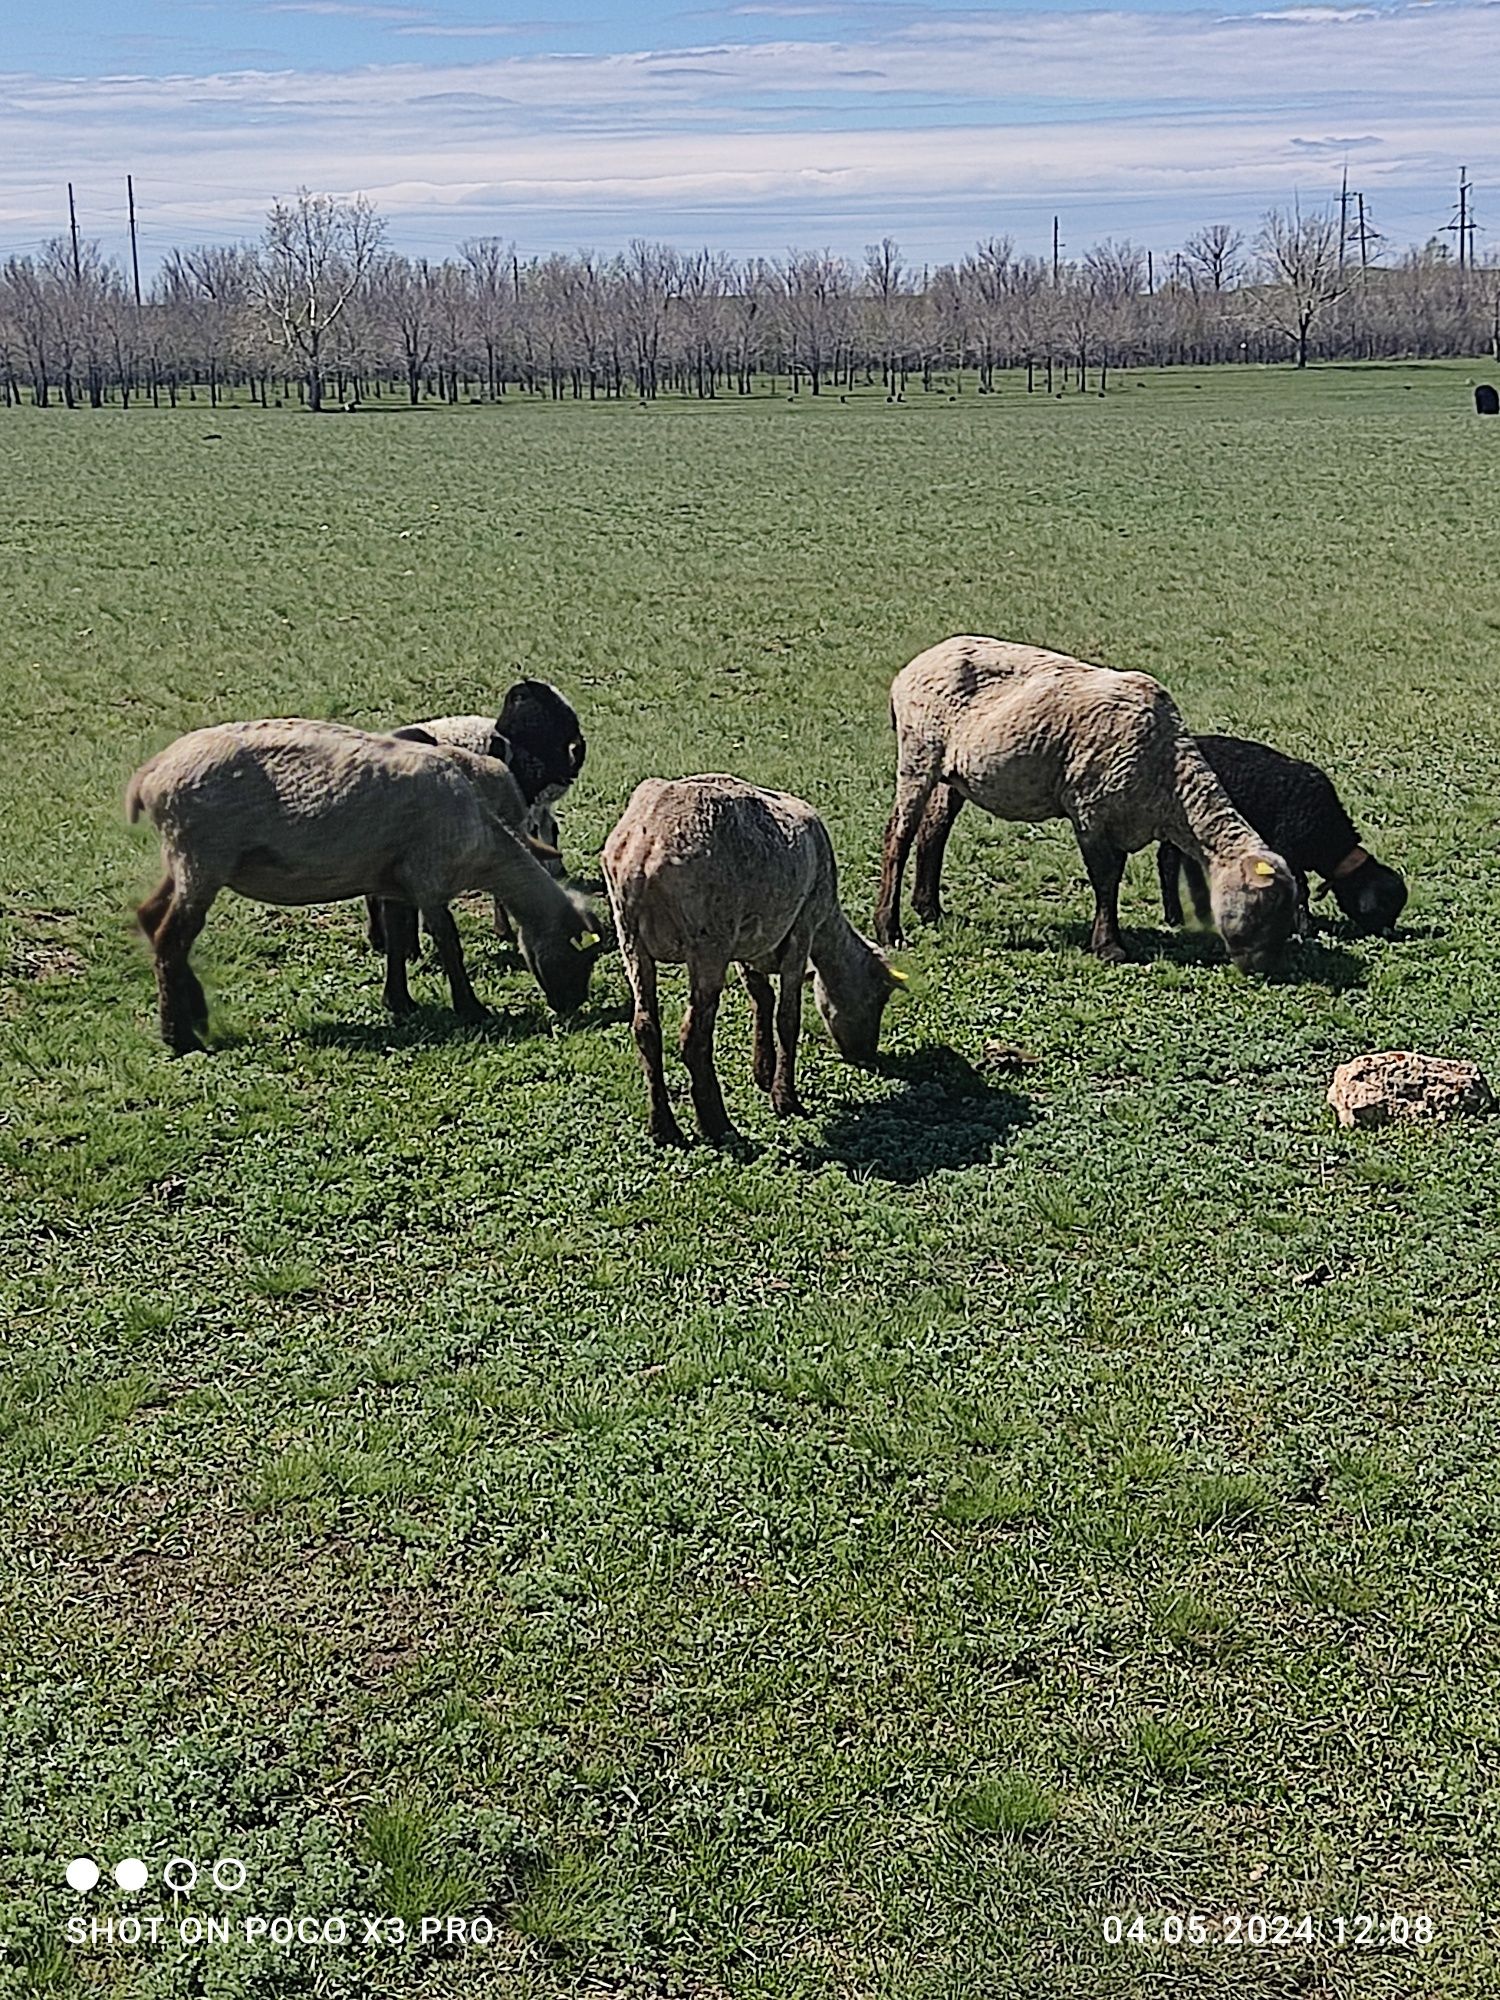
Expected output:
(73, 230)
(1150, 276)
(1364, 236)
(1464, 191)
(1055, 247)
(1344, 214)
(135, 255)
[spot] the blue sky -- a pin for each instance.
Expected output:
(750, 124)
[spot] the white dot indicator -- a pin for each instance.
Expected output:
(82, 1874)
(132, 1874)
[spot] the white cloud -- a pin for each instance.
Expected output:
(956, 113)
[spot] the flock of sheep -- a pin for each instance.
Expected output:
(710, 872)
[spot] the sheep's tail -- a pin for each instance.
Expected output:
(135, 804)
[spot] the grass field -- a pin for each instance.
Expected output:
(1005, 1502)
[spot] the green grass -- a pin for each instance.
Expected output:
(1016, 1495)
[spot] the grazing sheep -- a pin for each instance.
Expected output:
(708, 872)
(537, 734)
(1294, 808)
(1487, 400)
(293, 812)
(1032, 735)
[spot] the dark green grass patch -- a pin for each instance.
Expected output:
(1034, 1488)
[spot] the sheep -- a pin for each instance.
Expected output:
(709, 871)
(290, 811)
(1293, 806)
(1033, 735)
(537, 734)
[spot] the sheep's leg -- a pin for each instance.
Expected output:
(1168, 874)
(466, 1002)
(913, 788)
(943, 808)
(1197, 882)
(504, 929)
(763, 1007)
(1302, 923)
(705, 984)
(646, 1027)
(374, 926)
(398, 932)
(180, 997)
(784, 1099)
(150, 916)
(1106, 865)
(151, 912)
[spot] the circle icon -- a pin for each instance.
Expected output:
(179, 1874)
(131, 1874)
(81, 1874)
(222, 1879)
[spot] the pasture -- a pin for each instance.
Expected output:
(1020, 1494)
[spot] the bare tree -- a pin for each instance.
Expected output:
(316, 253)
(1213, 255)
(1300, 271)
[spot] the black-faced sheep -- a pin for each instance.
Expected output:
(1294, 808)
(537, 734)
(708, 872)
(1031, 735)
(291, 812)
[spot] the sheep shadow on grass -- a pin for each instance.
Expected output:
(945, 1116)
(1318, 960)
(423, 1027)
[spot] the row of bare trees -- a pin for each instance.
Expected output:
(321, 304)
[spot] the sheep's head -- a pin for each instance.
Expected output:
(562, 961)
(546, 745)
(1254, 903)
(852, 996)
(1371, 895)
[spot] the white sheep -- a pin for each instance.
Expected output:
(289, 812)
(708, 872)
(1031, 735)
(482, 736)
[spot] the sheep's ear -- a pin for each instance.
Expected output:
(415, 735)
(499, 744)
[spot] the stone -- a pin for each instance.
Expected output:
(1400, 1086)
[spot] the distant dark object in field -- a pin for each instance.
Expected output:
(1294, 808)
(1401, 1086)
(1487, 400)
(1031, 735)
(710, 872)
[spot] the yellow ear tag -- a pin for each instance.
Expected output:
(900, 978)
(1264, 868)
(586, 941)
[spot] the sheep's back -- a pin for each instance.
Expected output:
(713, 867)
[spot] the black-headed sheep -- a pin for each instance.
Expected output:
(537, 734)
(710, 872)
(291, 812)
(1033, 735)
(1294, 807)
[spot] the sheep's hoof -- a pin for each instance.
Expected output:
(399, 1009)
(667, 1132)
(789, 1107)
(729, 1140)
(1111, 954)
(930, 913)
(183, 1042)
(473, 1016)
